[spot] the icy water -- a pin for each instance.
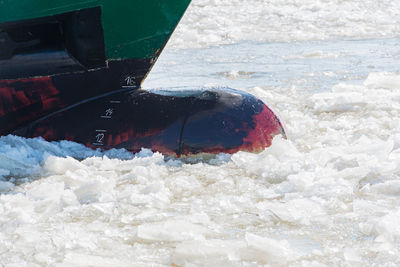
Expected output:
(329, 195)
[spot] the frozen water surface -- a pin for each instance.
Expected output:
(316, 65)
(327, 196)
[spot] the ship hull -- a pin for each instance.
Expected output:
(72, 70)
(54, 54)
(173, 122)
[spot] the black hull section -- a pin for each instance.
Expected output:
(104, 108)
(174, 122)
(26, 100)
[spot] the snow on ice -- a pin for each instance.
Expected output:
(329, 195)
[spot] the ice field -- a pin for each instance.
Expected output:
(327, 196)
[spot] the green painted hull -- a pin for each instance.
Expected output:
(132, 28)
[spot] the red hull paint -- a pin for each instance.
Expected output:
(25, 100)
